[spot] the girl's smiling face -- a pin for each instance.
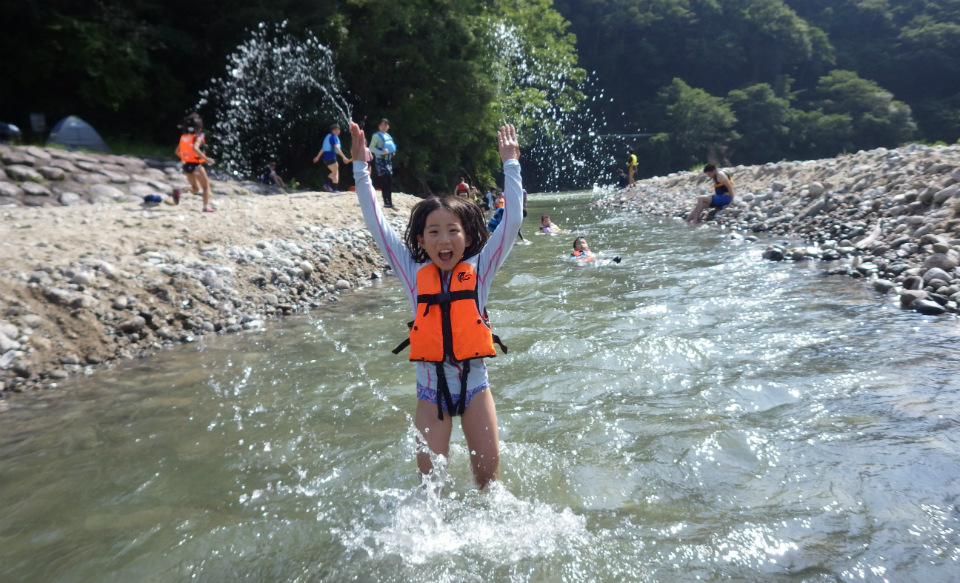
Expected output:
(443, 238)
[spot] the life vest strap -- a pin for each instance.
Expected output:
(500, 343)
(445, 298)
(443, 391)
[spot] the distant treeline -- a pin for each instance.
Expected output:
(735, 81)
(750, 81)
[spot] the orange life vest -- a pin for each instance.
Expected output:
(449, 324)
(583, 256)
(187, 153)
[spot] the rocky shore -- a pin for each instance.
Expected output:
(893, 215)
(90, 274)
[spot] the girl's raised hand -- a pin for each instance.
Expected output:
(358, 143)
(508, 144)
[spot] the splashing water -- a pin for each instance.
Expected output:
(274, 102)
(552, 105)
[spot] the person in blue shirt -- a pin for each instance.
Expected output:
(383, 149)
(328, 153)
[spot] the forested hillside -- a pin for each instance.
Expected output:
(735, 81)
(749, 81)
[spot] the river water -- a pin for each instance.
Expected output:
(692, 413)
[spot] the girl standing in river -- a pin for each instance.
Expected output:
(446, 263)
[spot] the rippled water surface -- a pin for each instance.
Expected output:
(693, 413)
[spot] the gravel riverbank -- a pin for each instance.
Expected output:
(90, 275)
(894, 214)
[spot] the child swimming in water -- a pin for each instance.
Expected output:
(547, 227)
(446, 262)
(582, 253)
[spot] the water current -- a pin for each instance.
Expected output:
(692, 413)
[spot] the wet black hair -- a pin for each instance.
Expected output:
(709, 168)
(193, 123)
(575, 242)
(470, 215)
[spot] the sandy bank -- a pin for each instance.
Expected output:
(90, 283)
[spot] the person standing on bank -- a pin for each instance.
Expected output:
(328, 153)
(631, 165)
(190, 149)
(383, 149)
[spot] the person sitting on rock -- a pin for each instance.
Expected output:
(723, 194)
(271, 177)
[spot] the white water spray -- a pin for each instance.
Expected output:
(276, 99)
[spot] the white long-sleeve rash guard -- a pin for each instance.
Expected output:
(486, 263)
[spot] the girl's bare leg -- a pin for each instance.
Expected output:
(204, 184)
(334, 174)
(435, 431)
(483, 438)
(194, 182)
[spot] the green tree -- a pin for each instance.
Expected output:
(876, 118)
(764, 120)
(700, 126)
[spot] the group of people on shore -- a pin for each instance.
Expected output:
(380, 153)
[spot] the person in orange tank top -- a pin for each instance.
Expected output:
(190, 151)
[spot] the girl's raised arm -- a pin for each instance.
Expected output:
(392, 247)
(501, 241)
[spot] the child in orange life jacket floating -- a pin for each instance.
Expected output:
(582, 253)
(446, 262)
(190, 151)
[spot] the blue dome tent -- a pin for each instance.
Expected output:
(74, 133)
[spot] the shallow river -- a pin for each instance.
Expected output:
(693, 413)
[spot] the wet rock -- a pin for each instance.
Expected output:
(884, 285)
(927, 307)
(912, 282)
(907, 297)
